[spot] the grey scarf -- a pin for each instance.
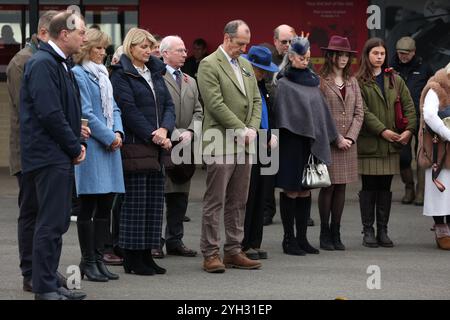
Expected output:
(100, 72)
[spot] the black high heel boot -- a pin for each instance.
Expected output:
(149, 262)
(303, 208)
(88, 265)
(101, 227)
(133, 263)
(287, 208)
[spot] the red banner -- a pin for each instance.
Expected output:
(206, 20)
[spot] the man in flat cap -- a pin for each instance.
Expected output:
(416, 74)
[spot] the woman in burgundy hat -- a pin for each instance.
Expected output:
(343, 95)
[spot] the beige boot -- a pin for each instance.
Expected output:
(408, 180)
(442, 232)
(420, 186)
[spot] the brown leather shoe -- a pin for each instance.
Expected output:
(213, 264)
(182, 250)
(240, 261)
(157, 253)
(112, 260)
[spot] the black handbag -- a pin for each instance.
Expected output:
(140, 157)
(178, 173)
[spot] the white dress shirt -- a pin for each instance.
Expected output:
(59, 52)
(172, 70)
(236, 68)
(146, 74)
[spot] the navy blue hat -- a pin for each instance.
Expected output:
(300, 45)
(261, 57)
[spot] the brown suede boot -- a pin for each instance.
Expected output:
(442, 232)
(213, 264)
(408, 179)
(240, 261)
(420, 186)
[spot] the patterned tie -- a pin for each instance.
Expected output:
(177, 74)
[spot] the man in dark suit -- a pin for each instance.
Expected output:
(50, 127)
(198, 54)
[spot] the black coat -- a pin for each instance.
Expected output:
(140, 114)
(50, 112)
(415, 74)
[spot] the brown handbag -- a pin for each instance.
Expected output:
(140, 157)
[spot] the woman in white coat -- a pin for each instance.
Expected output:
(434, 129)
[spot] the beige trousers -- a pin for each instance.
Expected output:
(226, 188)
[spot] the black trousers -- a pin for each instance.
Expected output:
(176, 206)
(261, 189)
(406, 156)
(52, 188)
(270, 207)
(113, 242)
(28, 206)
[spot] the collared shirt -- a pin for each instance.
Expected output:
(236, 68)
(172, 70)
(59, 52)
(146, 74)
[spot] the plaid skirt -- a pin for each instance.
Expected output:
(141, 216)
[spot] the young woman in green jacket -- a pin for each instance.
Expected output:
(380, 140)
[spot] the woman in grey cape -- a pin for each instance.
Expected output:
(306, 127)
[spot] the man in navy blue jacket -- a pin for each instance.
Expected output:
(50, 126)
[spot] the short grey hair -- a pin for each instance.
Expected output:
(46, 17)
(232, 27)
(166, 43)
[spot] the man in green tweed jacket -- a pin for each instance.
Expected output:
(231, 101)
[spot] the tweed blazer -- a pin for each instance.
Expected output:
(188, 111)
(225, 105)
(348, 114)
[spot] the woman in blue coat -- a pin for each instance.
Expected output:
(100, 176)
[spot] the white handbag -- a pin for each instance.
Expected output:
(315, 174)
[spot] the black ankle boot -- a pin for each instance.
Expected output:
(88, 264)
(287, 213)
(133, 262)
(325, 237)
(101, 227)
(302, 211)
(290, 246)
(336, 236)
(149, 262)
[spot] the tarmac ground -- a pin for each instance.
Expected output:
(413, 269)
